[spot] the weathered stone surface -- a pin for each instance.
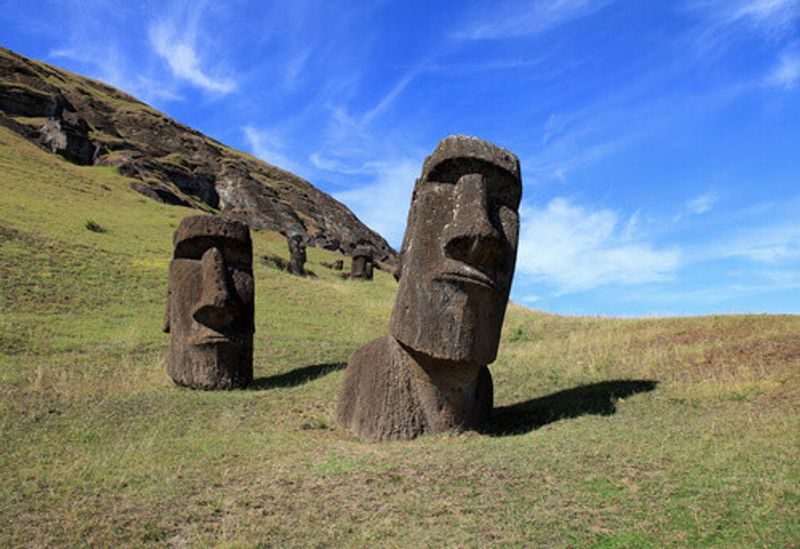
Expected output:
(68, 135)
(458, 256)
(393, 392)
(210, 305)
(362, 266)
(89, 122)
(297, 255)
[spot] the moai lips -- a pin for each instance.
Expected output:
(210, 307)
(458, 257)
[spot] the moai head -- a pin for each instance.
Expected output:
(459, 252)
(362, 262)
(210, 310)
(297, 254)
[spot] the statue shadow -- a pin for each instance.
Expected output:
(593, 399)
(296, 377)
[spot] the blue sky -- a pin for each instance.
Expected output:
(659, 141)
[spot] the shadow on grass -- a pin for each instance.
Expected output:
(596, 399)
(297, 376)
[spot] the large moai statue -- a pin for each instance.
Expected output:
(457, 260)
(362, 266)
(210, 307)
(297, 254)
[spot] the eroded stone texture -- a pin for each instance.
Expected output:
(210, 306)
(362, 266)
(297, 254)
(457, 261)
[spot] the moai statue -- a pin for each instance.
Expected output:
(297, 254)
(210, 307)
(362, 266)
(430, 373)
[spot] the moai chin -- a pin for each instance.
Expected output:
(210, 307)
(457, 260)
(297, 254)
(362, 266)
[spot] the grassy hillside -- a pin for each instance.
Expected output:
(607, 433)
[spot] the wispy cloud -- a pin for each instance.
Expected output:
(770, 244)
(701, 204)
(109, 66)
(269, 146)
(574, 248)
(383, 202)
(787, 72)
(512, 19)
(771, 16)
(174, 39)
(724, 22)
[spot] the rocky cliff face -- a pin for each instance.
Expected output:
(91, 123)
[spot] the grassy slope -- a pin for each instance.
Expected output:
(97, 446)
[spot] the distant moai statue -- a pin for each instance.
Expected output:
(430, 373)
(297, 254)
(362, 266)
(210, 306)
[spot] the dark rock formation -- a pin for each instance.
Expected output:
(338, 265)
(459, 251)
(362, 267)
(297, 255)
(91, 123)
(210, 305)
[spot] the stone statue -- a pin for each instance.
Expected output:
(210, 305)
(297, 254)
(362, 266)
(457, 261)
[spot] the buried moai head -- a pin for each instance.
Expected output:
(459, 252)
(297, 254)
(210, 309)
(362, 266)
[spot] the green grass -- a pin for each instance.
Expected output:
(608, 432)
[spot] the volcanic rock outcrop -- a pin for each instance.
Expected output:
(91, 123)
(430, 373)
(210, 305)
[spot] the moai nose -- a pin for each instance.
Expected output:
(471, 237)
(216, 307)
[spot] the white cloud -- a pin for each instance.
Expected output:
(701, 204)
(178, 48)
(109, 66)
(526, 18)
(725, 21)
(769, 15)
(786, 74)
(268, 146)
(383, 203)
(774, 244)
(574, 248)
